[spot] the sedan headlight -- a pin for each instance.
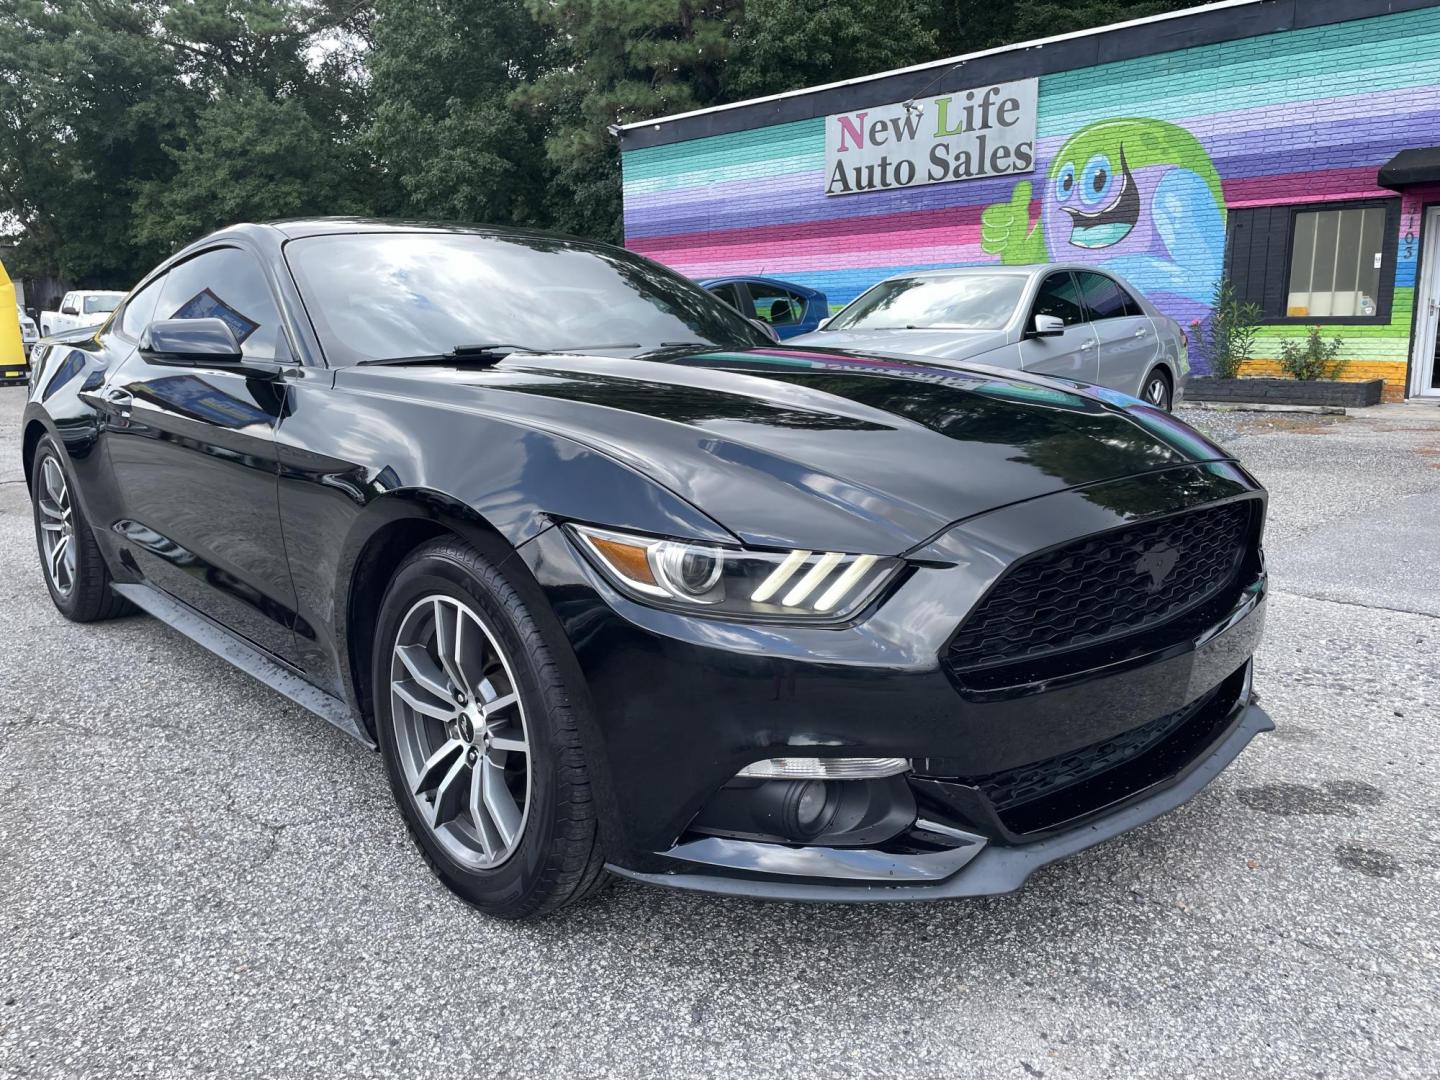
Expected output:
(788, 586)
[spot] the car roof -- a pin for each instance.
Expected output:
(1012, 269)
(274, 234)
(779, 283)
(295, 228)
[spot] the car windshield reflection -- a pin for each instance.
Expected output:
(384, 296)
(950, 302)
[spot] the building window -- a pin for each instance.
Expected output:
(1329, 262)
(1335, 261)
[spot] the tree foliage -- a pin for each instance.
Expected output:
(128, 127)
(617, 61)
(788, 44)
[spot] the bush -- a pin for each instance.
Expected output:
(1229, 337)
(1314, 359)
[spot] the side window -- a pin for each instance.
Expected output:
(1104, 298)
(140, 310)
(227, 284)
(1058, 296)
(730, 293)
(778, 307)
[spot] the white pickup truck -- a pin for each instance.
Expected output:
(79, 309)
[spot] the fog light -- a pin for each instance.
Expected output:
(806, 809)
(814, 768)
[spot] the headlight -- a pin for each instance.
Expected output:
(789, 586)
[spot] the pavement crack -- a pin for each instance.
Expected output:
(1357, 603)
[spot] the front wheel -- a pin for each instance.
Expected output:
(480, 740)
(1157, 390)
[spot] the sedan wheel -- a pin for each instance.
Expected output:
(479, 726)
(460, 730)
(1157, 391)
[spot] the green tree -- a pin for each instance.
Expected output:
(271, 131)
(615, 61)
(249, 157)
(89, 97)
(788, 44)
(448, 140)
(970, 25)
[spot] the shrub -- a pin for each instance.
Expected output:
(1228, 338)
(1312, 359)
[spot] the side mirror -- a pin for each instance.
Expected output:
(69, 309)
(190, 343)
(1047, 326)
(766, 329)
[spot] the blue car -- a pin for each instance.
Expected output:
(788, 308)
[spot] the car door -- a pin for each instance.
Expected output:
(1126, 342)
(191, 451)
(1070, 354)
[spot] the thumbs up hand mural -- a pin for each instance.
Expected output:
(1005, 229)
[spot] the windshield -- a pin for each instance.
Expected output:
(958, 302)
(96, 305)
(384, 296)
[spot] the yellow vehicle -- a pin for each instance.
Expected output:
(14, 365)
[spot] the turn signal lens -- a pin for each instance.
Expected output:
(813, 768)
(800, 585)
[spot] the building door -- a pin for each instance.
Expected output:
(1424, 367)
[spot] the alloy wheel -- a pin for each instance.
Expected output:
(57, 526)
(1157, 392)
(460, 731)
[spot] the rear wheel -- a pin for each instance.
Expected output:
(75, 571)
(479, 735)
(1157, 390)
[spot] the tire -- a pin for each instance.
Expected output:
(1157, 391)
(448, 598)
(79, 580)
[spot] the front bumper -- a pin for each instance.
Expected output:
(976, 867)
(679, 705)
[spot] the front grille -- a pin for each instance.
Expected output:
(1104, 586)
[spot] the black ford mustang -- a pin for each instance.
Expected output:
(614, 581)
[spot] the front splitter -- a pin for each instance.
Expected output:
(769, 869)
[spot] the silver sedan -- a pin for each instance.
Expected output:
(1074, 322)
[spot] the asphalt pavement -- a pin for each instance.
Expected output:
(197, 878)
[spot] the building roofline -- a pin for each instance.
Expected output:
(1225, 20)
(932, 65)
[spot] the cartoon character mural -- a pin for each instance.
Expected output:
(1138, 197)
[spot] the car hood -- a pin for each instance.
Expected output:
(791, 447)
(938, 344)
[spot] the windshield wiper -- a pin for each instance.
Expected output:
(493, 351)
(489, 353)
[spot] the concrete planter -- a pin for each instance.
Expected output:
(1286, 391)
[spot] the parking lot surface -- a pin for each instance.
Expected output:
(197, 878)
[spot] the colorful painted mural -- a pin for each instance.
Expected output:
(1138, 197)
(1307, 115)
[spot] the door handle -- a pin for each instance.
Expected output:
(1088, 344)
(120, 400)
(1141, 332)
